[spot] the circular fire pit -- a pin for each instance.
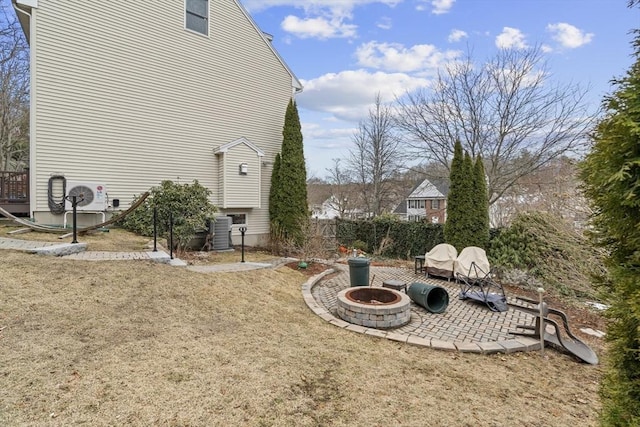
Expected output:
(379, 308)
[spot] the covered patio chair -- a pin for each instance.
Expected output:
(439, 261)
(473, 272)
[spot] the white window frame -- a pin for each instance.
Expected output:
(435, 204)
(417, 204)
(234, 224)
(207, 19)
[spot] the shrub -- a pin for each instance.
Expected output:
(187, 203)
(360, 245)
(611, 174)
(390, 237)
(547, 251)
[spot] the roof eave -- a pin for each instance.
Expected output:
(23, 12)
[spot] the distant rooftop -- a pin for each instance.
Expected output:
(430, 189)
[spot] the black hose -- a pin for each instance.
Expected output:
(56, 205)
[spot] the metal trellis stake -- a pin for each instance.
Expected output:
(171, 235)
(242, 231)
(74, 203)
(155, 229)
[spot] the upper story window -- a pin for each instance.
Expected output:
(197, 16)
(435, 204)
(416, 204)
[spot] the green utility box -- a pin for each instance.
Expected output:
(359, 271)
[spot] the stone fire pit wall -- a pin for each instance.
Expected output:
(383, 316)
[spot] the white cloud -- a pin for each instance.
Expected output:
(348, 95)
(456, 35)
(312, 6)
(318, 27)
(569, 36)
(396, 57)
(323, 18)
(384, 23)
(511, 38)
(441, 6)
(546, 48)
(317, 132)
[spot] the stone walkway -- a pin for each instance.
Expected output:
(465, 325)
(78, 251)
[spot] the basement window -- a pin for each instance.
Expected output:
(238, 219)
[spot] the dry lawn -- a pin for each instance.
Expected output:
(114, 240)
(119, 240)
(138, 343)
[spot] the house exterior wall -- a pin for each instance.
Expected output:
(241, 191)
(426, 212)
(123, 94)
(415, 209)
(436, 214)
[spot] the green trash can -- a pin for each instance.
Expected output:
(359, 271)
(433, 298)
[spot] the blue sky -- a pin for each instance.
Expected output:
(346, 51)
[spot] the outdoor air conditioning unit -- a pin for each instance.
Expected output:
(91, 196)
(222, 233)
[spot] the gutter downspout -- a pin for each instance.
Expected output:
(24, 12)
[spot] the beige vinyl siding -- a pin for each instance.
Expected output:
(128, 97)
(241, 191)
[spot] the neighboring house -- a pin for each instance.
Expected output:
(332, 208)
(427, 201)
(328, 209)
(130, 93)
(327, 201)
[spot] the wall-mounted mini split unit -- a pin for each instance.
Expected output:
(90, 196)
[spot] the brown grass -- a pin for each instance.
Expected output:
(115, 240)
(119, 240)
(138, 343)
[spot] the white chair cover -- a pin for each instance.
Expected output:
(469, 255)
(441, 257)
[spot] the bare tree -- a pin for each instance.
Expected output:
(553, 188)
(342, 198)
(506, 110)
(376, 157)
(14, 95)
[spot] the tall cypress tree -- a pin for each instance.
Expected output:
(611, 173)
(481, 205)
(289, 188)
(459, 202)
(275, 198)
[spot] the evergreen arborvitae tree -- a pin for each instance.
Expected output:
(275, 198)
(289, 187)
(457, 228)
(481, 205)
(611, 173)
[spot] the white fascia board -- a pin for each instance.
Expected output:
(28, 3)
(226, 147)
